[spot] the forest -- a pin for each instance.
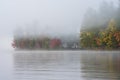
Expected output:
(101, 28)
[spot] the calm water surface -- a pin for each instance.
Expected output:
(60, 65)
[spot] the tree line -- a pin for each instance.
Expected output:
(101, 29)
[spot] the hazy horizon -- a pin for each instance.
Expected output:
(46, 16)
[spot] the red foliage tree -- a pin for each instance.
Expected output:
(13, 44)
(55, 43)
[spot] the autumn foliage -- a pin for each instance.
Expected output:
(108, 38)
(36, 43)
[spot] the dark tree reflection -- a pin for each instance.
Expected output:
(101, 66)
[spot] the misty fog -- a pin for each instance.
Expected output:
(47, 17)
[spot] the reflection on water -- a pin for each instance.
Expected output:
(66, 65)
(103, 66)
(46, 66)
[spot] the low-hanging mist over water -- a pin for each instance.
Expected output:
(59, 39)
(44, 16)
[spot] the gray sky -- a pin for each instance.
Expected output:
(52, 16)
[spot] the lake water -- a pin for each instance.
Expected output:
(60, 65)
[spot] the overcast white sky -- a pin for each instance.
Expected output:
(58, 16)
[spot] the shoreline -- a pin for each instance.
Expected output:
(66, 50)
